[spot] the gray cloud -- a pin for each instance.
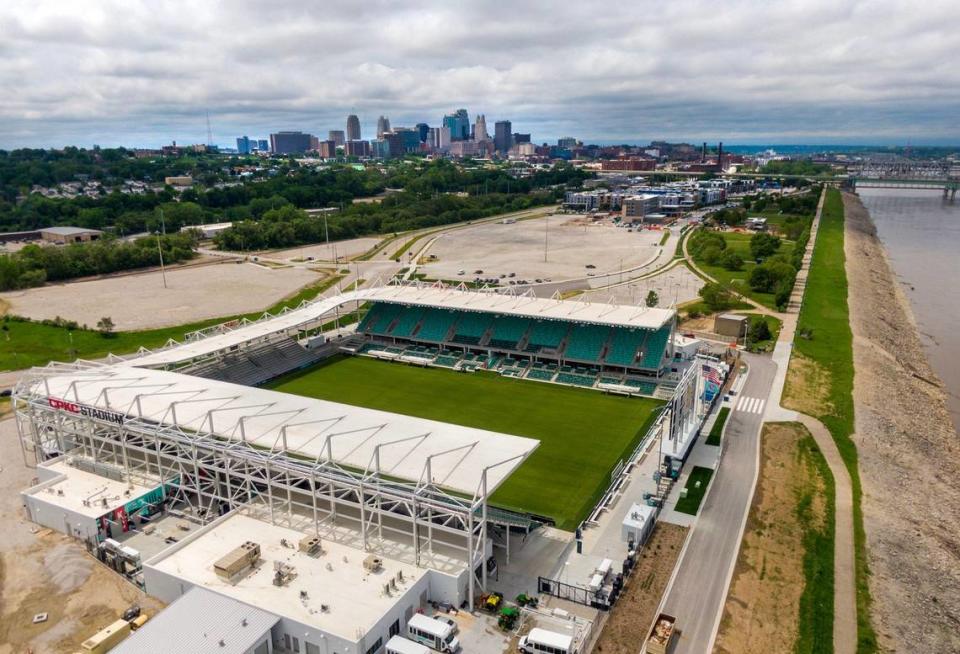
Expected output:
(127, 72)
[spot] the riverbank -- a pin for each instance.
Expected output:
(909, 457)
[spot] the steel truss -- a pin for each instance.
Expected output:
(208, 475)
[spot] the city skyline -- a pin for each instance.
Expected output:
(96, 73)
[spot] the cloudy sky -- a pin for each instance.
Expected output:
(134, 72)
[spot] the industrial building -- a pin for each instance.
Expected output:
(66, 235)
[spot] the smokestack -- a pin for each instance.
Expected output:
(703, 153)
(720, 157)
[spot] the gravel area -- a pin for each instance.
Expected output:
(323, 252)
(518, 248)
(909, 457)
(140, 301)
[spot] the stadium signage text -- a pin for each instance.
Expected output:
(86, 411)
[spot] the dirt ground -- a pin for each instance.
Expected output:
(808, 386)
(141, 302)
(762, 606)
(909, 457)
(675, 285)
(499, 249)
(630, 620)
(348, 249)
(42, 571)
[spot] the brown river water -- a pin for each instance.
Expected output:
(921, 233)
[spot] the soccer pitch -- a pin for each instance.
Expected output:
(582, 433)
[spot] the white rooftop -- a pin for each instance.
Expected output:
(84, 492)
(354, 597)
(200, 622)
(317, 429)
(423, 295)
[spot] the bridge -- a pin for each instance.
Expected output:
(921, 175)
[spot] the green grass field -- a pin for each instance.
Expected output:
(691, 503)
(739, 242)
(582, 433)
(717, 431)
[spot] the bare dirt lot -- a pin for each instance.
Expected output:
(909, 457)
(323, 252)
(629, 621)
(677, 285)
(141, 302)
(44, 571)
(518, 248)
(763, 604)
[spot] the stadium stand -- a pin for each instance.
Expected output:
(624, 345)
(586, 343)
(259, 364)
(576, 380)
(407, 322)
(645, 387)
(385, 315)
(436, 325)
(546, 334)
(471, 328)
(508, 331)
(654, 348)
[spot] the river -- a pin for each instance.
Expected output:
(921, 233)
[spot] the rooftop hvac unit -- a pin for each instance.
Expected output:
(310, 545)
(372, 563)
(237, 561)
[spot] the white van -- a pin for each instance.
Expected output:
(541, 641)
(400, 645)
(432, 633)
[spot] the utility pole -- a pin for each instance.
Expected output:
(163, 272)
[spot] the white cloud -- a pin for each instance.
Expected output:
(127, 72)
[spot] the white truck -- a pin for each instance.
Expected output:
(433, 633)
(541, 641)
(400, 645)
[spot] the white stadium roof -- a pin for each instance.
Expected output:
(526, 306)
(346, 435)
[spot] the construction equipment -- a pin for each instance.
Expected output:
(106, 639)
(508, 617)
(526, 600)
(491, 602)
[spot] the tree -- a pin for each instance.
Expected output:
(105, 326)
(716, 297)
(652, 298)
(763, 245)
(731, 260)
(762, 279)
(759, 329)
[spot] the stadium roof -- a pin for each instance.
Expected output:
(201, 622)
(526, 306)
(350, 436)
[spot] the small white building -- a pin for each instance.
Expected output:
(638, 523)
(208, 231)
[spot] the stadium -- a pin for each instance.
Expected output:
(420, 424)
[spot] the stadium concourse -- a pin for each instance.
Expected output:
(192, 434)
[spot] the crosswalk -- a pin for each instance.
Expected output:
(750, 404)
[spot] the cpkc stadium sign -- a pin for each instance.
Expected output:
(86, 411)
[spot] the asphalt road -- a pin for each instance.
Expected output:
(699, 590)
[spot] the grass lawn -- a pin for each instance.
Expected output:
(717, 430)
(691, 503)
(36, 344)
(582, 433)
(739, 242)
(828, 346)
(773, 324)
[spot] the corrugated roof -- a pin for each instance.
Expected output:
(69, 231)
(200, 622)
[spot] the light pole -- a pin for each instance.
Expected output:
(163, 272)
(546, 231)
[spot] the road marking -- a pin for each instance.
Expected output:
(751, 404)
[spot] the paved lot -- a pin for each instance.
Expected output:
(141, 302)
(323, 252)
(699, 590)
(499, 249)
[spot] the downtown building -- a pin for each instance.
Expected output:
(290, 142)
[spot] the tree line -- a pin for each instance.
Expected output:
(34, 265)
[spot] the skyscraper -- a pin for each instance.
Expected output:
(502, 136)
(289, 142)
(243, 145)
(353, 128)
(383, 126)
(480, 129)
(263, 145)
(424, 129)
(337, 136)
(459, 124)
